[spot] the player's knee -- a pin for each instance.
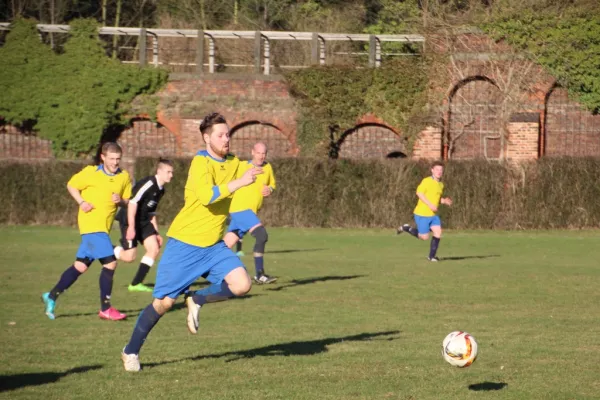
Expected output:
(238, 282)
(80, 266)
(163, 305)
(241, 287)
(424, 236)
(261, 236)
(152, 252)
(128, 255)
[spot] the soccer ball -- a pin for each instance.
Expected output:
(459, 349)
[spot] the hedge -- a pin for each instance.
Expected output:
(547, 194)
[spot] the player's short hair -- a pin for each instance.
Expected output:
(111, 147)
(164, 161)
(437, 164)
(210, 120)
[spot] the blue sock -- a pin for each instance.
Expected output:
(66, 280)
(144, 324)
(435, 242)
(106, 284)
(213, 293)
(259, 265)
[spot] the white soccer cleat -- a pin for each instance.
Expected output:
(131, 362)
(193, 315)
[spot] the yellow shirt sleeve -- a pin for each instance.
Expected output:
(126, 192)
(201, 183)
(81, 180)
(271, 183)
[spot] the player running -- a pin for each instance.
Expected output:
(138, 223)
(430, 197)
(194, 247)
(244, 209)
(98, 189)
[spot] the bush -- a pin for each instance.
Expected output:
(36, 193)
(551, 193)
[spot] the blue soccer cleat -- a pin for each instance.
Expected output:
(50, 304)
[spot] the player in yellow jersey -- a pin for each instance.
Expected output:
(98, 190)
(244, 209)
(430, 197)
(194, 247)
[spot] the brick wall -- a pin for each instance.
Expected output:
(372, 141)
(16, 144)
(428, 145)
(523, 141)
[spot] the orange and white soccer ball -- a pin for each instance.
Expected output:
(459, 349)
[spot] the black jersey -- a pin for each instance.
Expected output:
(146, 194)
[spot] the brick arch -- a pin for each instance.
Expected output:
(569, 129)
(473, 125)
(23, 144)
(370, 140)
(245, 134)
(144, 138)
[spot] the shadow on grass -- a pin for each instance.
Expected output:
(12, 382)
(306, 348)
(293, 251)
(132, 313)
(467, 257)
(300, 282)
(487, 386)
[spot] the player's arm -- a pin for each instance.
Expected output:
(446, 200)
(122, 199)
(76, 184)
(202, 185)
(425, 200)
(270, 186)
(154, 223)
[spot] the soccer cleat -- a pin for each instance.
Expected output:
(264, 279)
(50, 304)
(131, 362)
(240, 254)
(193, 314)
(112, 314)
(140, 287)
(433, 259)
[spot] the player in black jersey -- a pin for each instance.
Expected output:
(138, 223)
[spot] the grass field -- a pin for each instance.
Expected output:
(356, 314)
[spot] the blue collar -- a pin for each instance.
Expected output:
(205, 153)
(101, 168)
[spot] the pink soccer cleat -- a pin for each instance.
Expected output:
(112, 314)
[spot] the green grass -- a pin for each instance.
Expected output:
(356, 314)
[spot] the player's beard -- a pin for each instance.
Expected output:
(221, 152)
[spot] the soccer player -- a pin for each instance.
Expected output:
(138, 223)
(430, 197)
(194, 247)
(244, 207)
(98, 189)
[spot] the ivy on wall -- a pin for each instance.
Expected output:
(332, 99)
(71, 97)
(568, 47)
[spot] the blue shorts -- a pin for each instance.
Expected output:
(181, 264)
(95, 246)
(242, 222)
(424, 224)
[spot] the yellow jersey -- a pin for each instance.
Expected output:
(250, 197)
(432, 190)
(96, 187)
(201, 221)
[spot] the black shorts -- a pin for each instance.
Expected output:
(142, 233)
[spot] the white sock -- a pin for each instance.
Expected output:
(148, 261)
(118, 251)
